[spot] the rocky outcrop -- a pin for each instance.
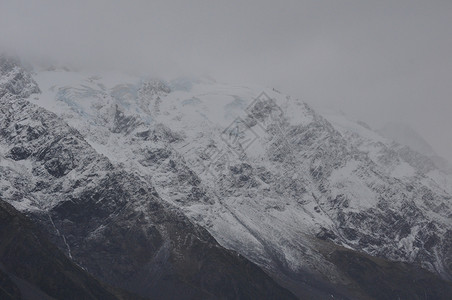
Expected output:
(32, 268)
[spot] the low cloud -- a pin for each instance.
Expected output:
(381, 61)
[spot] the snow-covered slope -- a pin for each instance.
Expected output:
(265, 174)
(110, 219)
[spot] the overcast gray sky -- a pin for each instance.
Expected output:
(375, 60)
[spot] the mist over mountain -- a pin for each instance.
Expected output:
(405, 135)
(194, 150)
(379, 62)
(193, 188)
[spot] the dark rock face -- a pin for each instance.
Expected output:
(126, 236)
(381, 279)
(159, 133)
(19, 153)
(123, 123)
(8, 289)
(28, 261)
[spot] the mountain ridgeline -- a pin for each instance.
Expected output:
(192, 189)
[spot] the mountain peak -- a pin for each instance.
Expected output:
(15, 81)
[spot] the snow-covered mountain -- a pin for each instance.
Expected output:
(110, 220)
(295, 192)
